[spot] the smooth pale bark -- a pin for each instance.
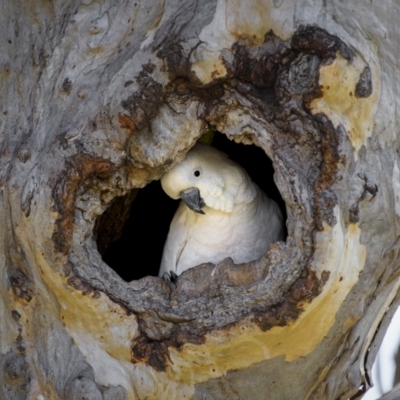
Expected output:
(393, 394)
(101, 97)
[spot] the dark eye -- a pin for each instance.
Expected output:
(197, 173)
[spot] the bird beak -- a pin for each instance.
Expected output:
(192, 199)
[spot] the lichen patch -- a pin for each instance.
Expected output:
(234, 20)
(82, 312)
(338, 82)
(254, 19)
(210, 68)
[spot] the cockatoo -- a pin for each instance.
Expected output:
(222, 213)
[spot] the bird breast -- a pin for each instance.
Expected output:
(243, 234)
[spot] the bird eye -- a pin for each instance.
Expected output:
(197, 173)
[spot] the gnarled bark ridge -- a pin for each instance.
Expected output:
(100, 98)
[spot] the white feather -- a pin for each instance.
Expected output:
(240, 221)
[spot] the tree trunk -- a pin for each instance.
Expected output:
(99, 98)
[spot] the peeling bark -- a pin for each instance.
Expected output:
(99, 99)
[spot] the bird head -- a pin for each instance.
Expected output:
(208, 178)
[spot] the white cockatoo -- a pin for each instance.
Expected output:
(222, 213)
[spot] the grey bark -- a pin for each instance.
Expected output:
(392, 395)
(98, 99)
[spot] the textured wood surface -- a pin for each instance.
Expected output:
(98, 99)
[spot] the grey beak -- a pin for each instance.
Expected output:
(192, 199)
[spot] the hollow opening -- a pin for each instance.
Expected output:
(137, 252)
